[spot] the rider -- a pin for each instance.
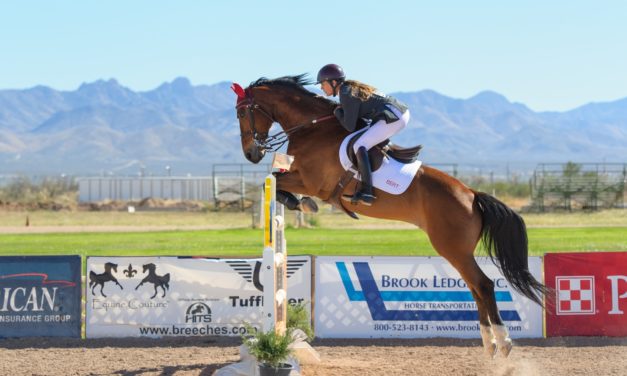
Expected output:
(386, 115)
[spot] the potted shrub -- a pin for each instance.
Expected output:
(271, 351)
(298, 318)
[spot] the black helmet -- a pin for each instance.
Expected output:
(331, 72)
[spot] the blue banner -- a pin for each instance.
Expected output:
(40, 296)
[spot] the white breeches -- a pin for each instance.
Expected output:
(381, 130)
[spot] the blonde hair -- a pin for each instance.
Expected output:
(360, 90)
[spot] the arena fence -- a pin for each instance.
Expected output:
(578, 186)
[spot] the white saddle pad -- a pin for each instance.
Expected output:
(392, 177)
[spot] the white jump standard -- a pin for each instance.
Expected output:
(274, 275)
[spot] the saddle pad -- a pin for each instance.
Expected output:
(392, 177)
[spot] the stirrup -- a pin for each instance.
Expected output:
(365, 199)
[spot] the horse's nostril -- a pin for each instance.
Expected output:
(248, 155)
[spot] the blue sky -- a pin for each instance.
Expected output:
(549, 55)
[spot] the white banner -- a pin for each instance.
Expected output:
(172, 296)
(412, 297)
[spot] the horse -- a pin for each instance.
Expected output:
(101, 279)
(157, 280)
(455, 217)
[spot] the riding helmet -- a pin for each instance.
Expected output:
(331, 72)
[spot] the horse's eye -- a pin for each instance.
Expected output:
(241, 113)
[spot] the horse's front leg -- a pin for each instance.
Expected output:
(155, 294)
(289, 183)
(141, 283)
(117, 283)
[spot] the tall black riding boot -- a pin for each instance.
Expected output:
(364, 195)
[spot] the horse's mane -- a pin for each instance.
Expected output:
(296, 82)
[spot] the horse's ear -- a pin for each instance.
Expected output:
(241, 94)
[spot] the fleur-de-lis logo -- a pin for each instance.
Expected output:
(130, 272)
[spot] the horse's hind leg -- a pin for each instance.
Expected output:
(482, 289)
(457, 246)
(498, 327)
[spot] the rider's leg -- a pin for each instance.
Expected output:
(381, 131)
(364, 195)
(377, 133)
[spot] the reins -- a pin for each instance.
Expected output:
(276, 141)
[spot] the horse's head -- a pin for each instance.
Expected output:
(150, 267)
(283, 100)
(110, 265)
(254, 123)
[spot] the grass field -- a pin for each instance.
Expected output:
(231, 235)
(247, 242)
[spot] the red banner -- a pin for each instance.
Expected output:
(590, 294)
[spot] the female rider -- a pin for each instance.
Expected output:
(386, 115)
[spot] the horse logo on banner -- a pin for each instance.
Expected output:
(162, 281)
(102, 278)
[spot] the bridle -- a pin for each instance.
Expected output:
(248, 103)
(262, 139)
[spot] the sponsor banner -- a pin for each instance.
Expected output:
(176, 296)
(40, 296)
(590, 294)
(412, 297)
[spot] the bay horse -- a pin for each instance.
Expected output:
(454, 216)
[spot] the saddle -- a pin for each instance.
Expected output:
(376, 154)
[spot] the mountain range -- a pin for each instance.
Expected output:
(106, 128)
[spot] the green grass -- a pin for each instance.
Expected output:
(248, 242)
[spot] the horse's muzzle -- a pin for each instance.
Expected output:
(254, 154)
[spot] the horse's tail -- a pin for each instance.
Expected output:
(504, 236)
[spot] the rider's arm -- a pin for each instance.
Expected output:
(348, 113)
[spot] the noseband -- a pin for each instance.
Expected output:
(263, 140)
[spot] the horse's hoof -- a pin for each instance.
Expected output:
(506, 348)
(308, 205)
(490, 350)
